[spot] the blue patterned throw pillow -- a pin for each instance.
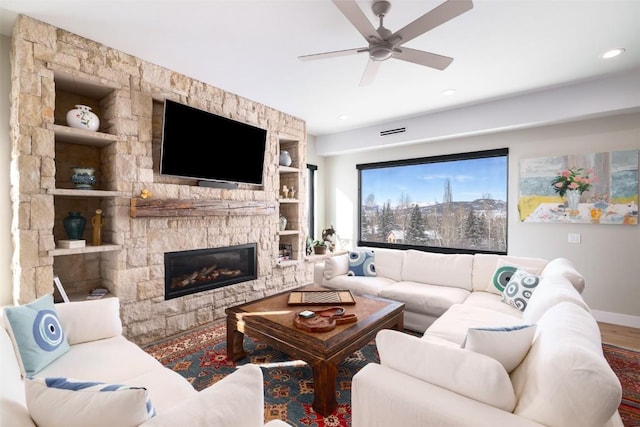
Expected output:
(78, 403)
(36, 333)
(362, 263)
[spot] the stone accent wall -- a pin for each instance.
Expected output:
(52, 70)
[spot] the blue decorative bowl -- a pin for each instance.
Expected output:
(83, 178)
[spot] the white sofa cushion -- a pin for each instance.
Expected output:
(13, 406)
(565, 379)
(389, 263)
(452, 270)
(491, 301)
(424, 298)
(550, 291)
(91, 320)
(359, 285)
(564, 267)
(165, 386)
(36, 333)
(453, 325)
(470, 374)
(508, 345)
(484, 266)
(64, 402)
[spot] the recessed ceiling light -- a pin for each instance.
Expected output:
(612, 53)
(343, 117)
(448, 92)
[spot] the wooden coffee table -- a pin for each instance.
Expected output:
(270, 320)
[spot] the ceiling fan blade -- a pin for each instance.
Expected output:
(441, 14)
(370, 72)
(358, 19)
(332, 54)
(421, 57)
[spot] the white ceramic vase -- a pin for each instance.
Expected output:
(283, 223)
(285, 158)
(82, 117)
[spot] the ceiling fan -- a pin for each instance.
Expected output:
(383, 44)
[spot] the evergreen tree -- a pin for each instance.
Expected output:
(415, 230)
(386, 221)
(475, 230)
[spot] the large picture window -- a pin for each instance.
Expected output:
(450, 204)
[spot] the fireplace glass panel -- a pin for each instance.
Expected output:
(188, 272)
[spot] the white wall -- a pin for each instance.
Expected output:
(608, 255)
(319, 211)
(5, 157)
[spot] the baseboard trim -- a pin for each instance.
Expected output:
(616, 318)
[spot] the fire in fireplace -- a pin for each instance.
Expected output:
(188, 272)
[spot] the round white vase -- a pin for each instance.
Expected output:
(82, 117)
(285, 158)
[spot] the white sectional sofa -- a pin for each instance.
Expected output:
(98, 352)
(479, 360)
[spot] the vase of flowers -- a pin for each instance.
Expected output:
(571, 183)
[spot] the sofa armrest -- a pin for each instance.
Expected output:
(465, 372)
(382, 397)
(91, 320)
(235, 400)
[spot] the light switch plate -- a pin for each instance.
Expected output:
(574, 238)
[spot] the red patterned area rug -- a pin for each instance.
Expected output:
(626, 364)
(201, 357)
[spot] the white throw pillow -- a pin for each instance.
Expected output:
(508, 345)
(64, 402)
(520, 288)
(336, 266)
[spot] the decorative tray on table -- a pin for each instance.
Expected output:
(331, 297)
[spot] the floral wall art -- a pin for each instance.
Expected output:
(594, 188)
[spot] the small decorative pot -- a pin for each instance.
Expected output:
(319, 250)
(285, 158)
(283, 223)
(74, 225)
(82, 117)
(83, 178)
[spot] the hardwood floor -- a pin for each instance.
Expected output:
(622, 336)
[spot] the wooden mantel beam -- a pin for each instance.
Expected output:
(141, 208)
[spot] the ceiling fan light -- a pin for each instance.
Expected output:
(380, 53)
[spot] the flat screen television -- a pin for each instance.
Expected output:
(200, 145)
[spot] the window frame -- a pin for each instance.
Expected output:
(500, 152)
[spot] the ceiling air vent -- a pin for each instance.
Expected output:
(392, 131)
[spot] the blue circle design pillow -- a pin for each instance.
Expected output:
(361, 263)
(36, 333)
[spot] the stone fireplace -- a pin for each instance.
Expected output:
(190, 272)
(52, 70)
